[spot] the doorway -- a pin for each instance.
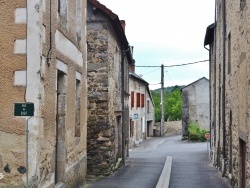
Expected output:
(119, 136)
(149, 128)
(243, 163)
(60, 150)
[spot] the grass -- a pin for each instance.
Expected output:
(195, 133)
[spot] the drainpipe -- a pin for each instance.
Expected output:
(145, 110)
(123, 106)
(210, 109)
(224, 87)
(50, 35)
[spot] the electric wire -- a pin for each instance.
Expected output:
(169, 78)
(150, 71)
(184, 64)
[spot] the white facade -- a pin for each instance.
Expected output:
(141, 110)
(196, 104)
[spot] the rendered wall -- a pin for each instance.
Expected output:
(196, 100)
(29, 48)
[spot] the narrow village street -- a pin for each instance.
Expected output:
(124, 94)
(191, 166)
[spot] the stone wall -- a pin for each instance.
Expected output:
(185, 114)
(173, 128)
(228, 158)
(104, 95)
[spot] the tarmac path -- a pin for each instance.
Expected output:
(191, 167)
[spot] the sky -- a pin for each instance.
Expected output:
(166, 32)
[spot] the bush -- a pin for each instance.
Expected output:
(195, 133)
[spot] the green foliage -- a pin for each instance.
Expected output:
(157, 100)
(195, 133)
(172, 105)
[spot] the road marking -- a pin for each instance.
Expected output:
(164, 179)
(161, 142)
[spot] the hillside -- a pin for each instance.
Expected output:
(168, 89)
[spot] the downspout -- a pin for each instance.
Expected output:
(123, 106)
(224, 88)
(210, 109)
(50, 35)
(145, 109)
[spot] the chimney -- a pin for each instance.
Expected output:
(132, 67)
(123, 23)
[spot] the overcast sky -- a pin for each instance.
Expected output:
(166, 32)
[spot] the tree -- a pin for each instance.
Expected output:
(157, 100)
(172, 105)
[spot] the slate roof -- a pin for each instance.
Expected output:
(209, 37)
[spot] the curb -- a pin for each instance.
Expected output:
(164, 179)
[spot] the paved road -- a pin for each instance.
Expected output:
(191, 167)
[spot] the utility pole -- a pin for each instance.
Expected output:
(162, 129)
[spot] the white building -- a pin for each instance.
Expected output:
(195, 105)
(142, 114)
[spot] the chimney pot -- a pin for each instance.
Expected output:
(123, 23)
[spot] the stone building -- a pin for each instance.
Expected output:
(109, 56)
(141, 110)
(195, 105)
(228, 43)
(43, 61)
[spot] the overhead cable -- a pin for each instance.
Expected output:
(177, 65)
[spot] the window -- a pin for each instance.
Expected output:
(148, 106)
(77, 109)
(242, 4)
(78, 20)
(62, 10)
(138, 100)
(142, 100)
(132, 99)
(131, 128)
